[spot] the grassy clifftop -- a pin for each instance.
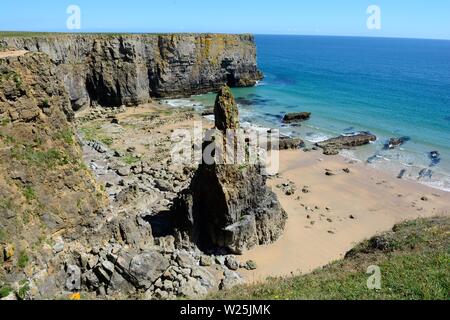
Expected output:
(414, 260)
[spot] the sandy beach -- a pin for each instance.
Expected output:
(338, 211)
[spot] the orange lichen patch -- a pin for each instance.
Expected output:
(75, 296)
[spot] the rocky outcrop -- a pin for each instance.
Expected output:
(226, 114)
(296, 117)
(395, 142)
(286, 143)
(228, 206)
(333, 145)
(46, 192)
(119, 70)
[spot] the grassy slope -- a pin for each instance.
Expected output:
(414, 260)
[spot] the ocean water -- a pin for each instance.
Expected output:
(390, 87)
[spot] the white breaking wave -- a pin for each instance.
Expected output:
(179, 103)
(317, 137)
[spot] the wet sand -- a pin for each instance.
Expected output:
(338, 212)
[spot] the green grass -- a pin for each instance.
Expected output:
(5, 121)
(23, 290)
(23, 260)
(48, 158)
(8, 139)
(66, 135)
(414, 265)
(29, 193)
(5, 291)
(94, 133)
(130, 159)
(6, 203)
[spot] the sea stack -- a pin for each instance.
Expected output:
(228, 206)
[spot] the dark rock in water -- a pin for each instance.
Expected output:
(228, 205)
(296, 117)
(401, 174)
(435, 158)
(225, 110)
(425, 173)
(395, 142)
(334, 145)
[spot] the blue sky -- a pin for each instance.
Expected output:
(399, 18)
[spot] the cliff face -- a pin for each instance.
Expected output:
(131, 69)
(45, 190)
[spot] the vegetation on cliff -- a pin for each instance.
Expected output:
(414, 260)
(45, 190)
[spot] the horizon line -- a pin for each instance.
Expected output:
(232, 33)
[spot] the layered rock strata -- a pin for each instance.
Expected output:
(228, 206)
(114, 70)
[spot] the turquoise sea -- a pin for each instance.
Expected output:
(390, 87)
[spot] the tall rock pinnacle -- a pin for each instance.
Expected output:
(225, 110)
(228, 206)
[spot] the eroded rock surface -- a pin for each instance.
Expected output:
(334, 145)
(229, 205)
(115, 70)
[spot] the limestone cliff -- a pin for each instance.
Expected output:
(228, 206)
(112, 70)
(45, 190)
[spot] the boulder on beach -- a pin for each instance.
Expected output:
(228, 206)
(296, 117)
(334, 145)
(286, 143)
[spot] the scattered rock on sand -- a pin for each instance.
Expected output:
(230, 280)
(250, 265)
(286, 143)
(231, 263)
(206, 261)
(401, 174)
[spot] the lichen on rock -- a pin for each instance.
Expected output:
(228, 206)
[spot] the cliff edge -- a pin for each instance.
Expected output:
(114, 70)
